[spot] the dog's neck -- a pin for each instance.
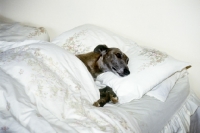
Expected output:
(94, 64)
(102, 67)
(99, 67)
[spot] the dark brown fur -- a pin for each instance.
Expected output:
(90, 60)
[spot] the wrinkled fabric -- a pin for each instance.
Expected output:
(49, 90)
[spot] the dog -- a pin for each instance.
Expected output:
(104, 59)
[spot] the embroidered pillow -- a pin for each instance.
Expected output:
(148, 67)
(13, 32)
(85, 38)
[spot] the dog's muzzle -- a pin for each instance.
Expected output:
(126, 72)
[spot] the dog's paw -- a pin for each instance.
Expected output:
(114, 99)
(101, 102)
(96, 104)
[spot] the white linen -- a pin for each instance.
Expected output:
(2, 101)
(181, 120)
(195, 123)
(19, 32)
(171, 116)
(45, 86)
(161, 91)
(8, 124)
(148, 67)
(85, 38)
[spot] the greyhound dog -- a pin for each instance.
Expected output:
(104, 59)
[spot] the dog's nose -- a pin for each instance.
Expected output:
(126, 71)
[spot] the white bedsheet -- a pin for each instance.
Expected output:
(48, 90)
(173, 115)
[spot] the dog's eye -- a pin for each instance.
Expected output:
(118, 55)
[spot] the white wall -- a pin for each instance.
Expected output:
(172, 26)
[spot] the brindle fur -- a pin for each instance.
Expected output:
(104, 59)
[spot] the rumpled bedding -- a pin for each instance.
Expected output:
(49, 90)
(18, 32)
(46, 89)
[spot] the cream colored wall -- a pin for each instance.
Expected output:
(172, 26)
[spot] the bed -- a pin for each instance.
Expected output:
(44, 88)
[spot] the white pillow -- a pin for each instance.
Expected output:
(161, 91)
(85, 38)
(13, 32)
(148, 67)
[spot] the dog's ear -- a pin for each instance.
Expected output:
(102, 49)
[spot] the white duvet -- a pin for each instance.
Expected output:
(49, 90)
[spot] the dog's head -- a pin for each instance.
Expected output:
(113, 59)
